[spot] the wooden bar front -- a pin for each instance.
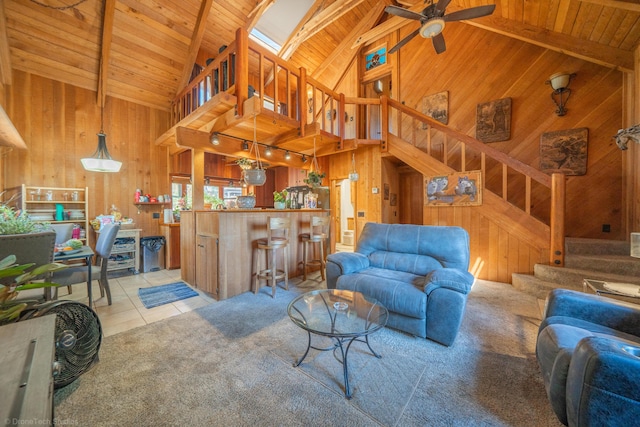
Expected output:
(218, 246)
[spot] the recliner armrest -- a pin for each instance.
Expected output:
(342, 263)
(624, 317)
(451, 278)
(603, 383)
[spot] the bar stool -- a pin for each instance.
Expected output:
(317, 235)
(277, 238)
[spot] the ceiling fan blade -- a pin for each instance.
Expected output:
(438, 43)
(404, 41)
(442, 5)
(404, 13)
(473, 12)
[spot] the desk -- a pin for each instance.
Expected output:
(85, 253)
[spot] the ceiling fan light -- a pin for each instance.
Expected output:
(432, 28)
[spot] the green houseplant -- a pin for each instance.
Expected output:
(314, 178)
(244, 163)
(280, 199)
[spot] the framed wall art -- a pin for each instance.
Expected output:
(493, 120)
(436, 106)
(376, 58)
(455, 189)
(564, 151)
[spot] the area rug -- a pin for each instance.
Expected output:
(165, 294)
(232, 364)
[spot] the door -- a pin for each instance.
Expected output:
(337, 191)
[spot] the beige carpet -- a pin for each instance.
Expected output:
(231, 364)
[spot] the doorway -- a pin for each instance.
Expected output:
(375, 89)
(345, 215)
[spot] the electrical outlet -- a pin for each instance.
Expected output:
(606, 228)
(360, 214)
(156, 215)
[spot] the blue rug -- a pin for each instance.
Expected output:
(159, 295)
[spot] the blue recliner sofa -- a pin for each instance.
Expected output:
(588, 349)
(418, 272)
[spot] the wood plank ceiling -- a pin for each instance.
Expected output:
(143, 50)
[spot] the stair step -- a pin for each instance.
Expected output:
(534, 286)
(572, 278)
(614, 264)
(582, 246)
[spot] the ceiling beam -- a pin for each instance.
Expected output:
(194, 46)
(105, 50)
(5, 53)
(314, 24)
(342, 51)
(589, 51)
(254, 16)
(392, 24)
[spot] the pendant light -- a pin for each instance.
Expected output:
(101, 161)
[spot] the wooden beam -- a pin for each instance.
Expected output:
(194, 46)
(343, 48)
(622, 5)
(5, 53)
(316, 24)
(388, 26)
(9, 135)
(105, 50)
(607, 56)
(257, 12)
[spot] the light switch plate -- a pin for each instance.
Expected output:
(375, 190)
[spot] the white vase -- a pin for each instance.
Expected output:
(279, 205)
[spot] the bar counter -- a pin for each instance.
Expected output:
(217, 246)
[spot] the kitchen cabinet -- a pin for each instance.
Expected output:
(171, 233)
(42, 204)
(125, 254)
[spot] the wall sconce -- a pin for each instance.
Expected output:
(560, 84)
(215, 139)
(245, 146)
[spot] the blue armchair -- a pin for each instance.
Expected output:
(588, 349)
(419, 273)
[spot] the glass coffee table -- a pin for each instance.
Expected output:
(343, 316)
(618, 290)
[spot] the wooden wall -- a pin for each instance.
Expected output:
(504, 68)
(59, 123)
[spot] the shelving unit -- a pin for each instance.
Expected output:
(143, 204)
(37, 202)
(125, 253)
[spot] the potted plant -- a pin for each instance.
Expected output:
(244, 163)
(314, 178)
(280, 199)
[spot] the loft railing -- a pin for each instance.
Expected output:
(245, 68)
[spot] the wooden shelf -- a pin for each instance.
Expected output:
(151, 203)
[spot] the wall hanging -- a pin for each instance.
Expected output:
(436, 106)
(493, 120)
(454, 189)
(564, 151)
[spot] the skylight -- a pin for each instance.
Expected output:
(276, 25)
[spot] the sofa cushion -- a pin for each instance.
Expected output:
(410, 263)
(398, 291)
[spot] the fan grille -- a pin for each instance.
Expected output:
(73, 319)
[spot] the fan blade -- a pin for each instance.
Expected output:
(404, 41)
(474, 12)
(404, 13)
(438, 43)
(442, 5)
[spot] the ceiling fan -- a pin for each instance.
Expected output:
(433, 19)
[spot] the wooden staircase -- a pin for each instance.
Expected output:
(584, 258)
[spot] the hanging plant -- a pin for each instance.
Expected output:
(314, 178)
(244, 163)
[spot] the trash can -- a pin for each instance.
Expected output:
(151, 251)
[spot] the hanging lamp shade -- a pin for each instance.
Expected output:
(101, 161)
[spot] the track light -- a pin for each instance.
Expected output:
(304, 159)
(267, 151)
(215, 140)
(245, 146)
(287, 156)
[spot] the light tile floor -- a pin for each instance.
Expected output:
(127, 311)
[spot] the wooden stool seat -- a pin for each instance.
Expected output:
(316, 236)
(277, 238)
